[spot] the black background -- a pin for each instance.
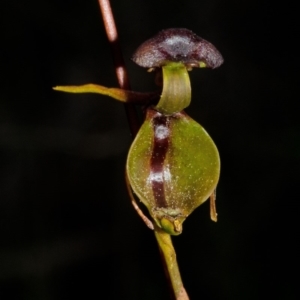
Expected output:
(67, 228)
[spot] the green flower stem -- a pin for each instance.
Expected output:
(169, 255)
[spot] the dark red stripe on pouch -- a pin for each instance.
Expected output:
(159, 151)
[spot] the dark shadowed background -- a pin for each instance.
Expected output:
(67, 228)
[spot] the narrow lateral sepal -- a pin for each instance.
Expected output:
(121, 95)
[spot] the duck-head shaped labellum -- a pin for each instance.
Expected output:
(176, 51)
(177, 45)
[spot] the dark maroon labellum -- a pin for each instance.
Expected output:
(177, 45)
